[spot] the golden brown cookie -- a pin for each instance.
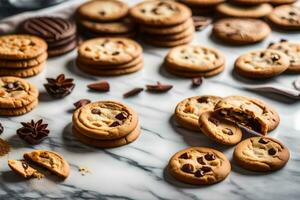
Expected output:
(22, 72)
(201, 3)
(22, 168)
(23, 63)
(199, 166)
(187, 74)
(286, 17)
(18, 111)
(174, 43)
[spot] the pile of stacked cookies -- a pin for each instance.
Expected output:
(17, 96)
(202, 7)
(106, 124)
(22, 55)
(100, 18)
(164, 23)
(194, 61)
(109, 56)
(59, 33)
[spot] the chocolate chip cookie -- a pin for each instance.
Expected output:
(188, 111)
(261, 154)
(199, 166)
(221, 130)
(22, 168)
(286, 17)
(262, 64)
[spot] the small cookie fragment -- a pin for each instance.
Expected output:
(261, 154)
(22, 168)
(199, 166)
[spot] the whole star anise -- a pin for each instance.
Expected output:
(33, 132)
(60, 86)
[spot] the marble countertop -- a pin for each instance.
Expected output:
(137, 171)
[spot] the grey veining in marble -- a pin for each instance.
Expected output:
(137, 171)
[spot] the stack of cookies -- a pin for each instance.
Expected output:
(100, 18)
(164, 23)
(105, 124)
(110, 56)
(59, 33)
(17, 96)
(194, 61)
(202, 7)
(22, 55)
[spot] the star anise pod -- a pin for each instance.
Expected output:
(33, 132)
(60, 86)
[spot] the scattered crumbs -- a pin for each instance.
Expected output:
(83, 170)
(4, 147)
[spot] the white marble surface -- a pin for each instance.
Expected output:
(137, 171)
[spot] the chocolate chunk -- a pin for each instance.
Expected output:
(115, 53)
(1, 128)
(184, 156)
(114, 124)
(25, 165)
(102, 13)
(227, 131)
(199, 173)
(270, 44)
(133, 92)
(96, 111)
(263, 141)
(283, 40)
(272, 151)
(159, 88)
(120, 116)
(202, 100)
(200, 160)
(262, 54)
(275, 57)
(13, 86)
(188, 168)
(101, 86)
(214, 121)
(206, 169)
(210, 156)
(81, 102)
(196, 82)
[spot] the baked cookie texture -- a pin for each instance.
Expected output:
(262, 64)
(199, 166)
(22, 168)
(286, 17)
(241, 31)
(261, 154)
(189, 110)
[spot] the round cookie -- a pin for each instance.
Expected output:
(194, 58)
(103, 10)
(249, 112)
(24, 63)
(199, 166)
(241, 31)
(232, 10)
(286, 17)
(261, 154)
(110, 72)
(249, 2)
(108, 143)
(109, 51)
(262, 64)
(219, 129)
(18, 111)
(187, 74)
(167, 30)
(22, 72)
(280, 2)
(292, 50)
(105, 120)
(57, 51)
(63, 42)
(160, 13)
(188, 111)
(16, 92)
(174, 43)
(20, 47)
(202, 3)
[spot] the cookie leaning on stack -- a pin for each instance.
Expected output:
(59, 33)
(194, 61)
(164, 23)
(110, 56)
(17, 96)
(22, 55)
(106, 124)
(100, 18)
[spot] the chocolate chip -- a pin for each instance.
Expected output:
(81, 102)
(133, 92)
(206, 169)
(263, 141)
(292, 13)
(262, 54)
(272, 151)
(275, 57)
(227, 131)
(1, 128)
(200, 22)
(114, 124)
(196, 82)
(199, 173)
(214, 121)
(188, 168)
(210, 156)
(184, 156)
(102, 13)
(186, 57)
(101, 86)
(283, 40)
(200, 160)
(96, 111)
(202, 100)
(271, 44)
(115, 53)
(25, 165)
(143, 10)
(159, 88)
(120, 116)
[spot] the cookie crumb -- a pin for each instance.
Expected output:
(4, 147)
(83, 171)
